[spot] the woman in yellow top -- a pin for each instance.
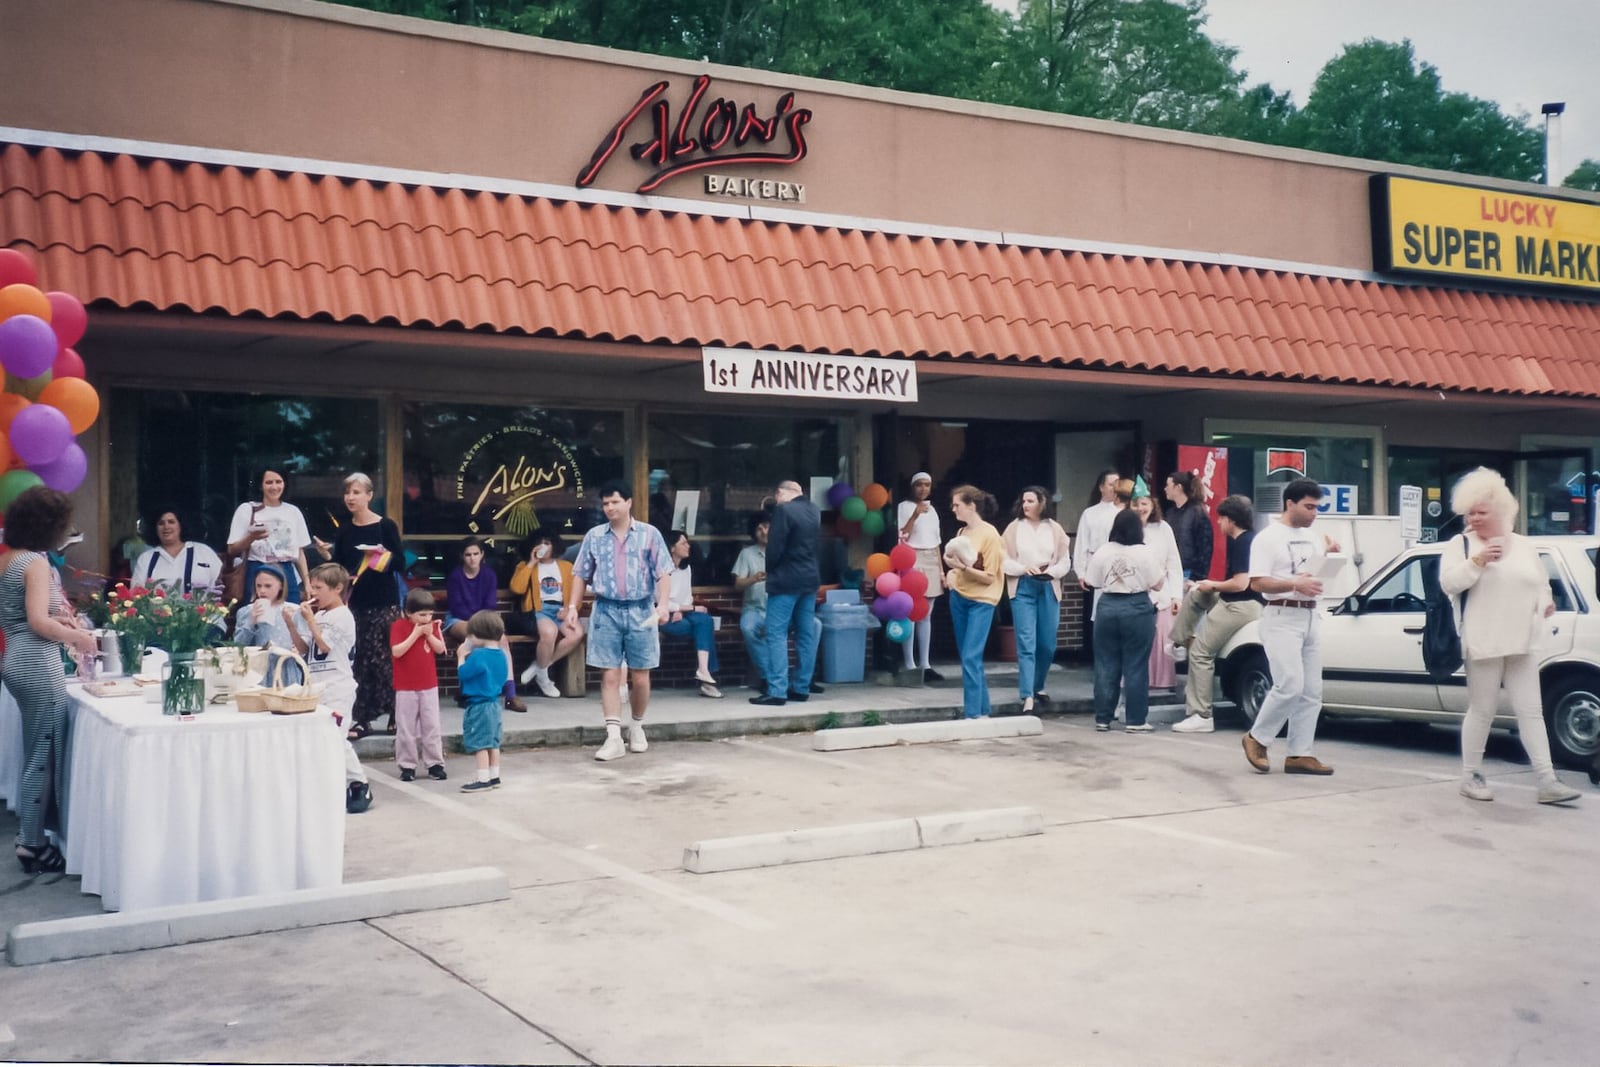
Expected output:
(541, 584)
(974, 561)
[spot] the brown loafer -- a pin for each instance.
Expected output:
(513, 704)
(1305, 765)
(1256, 753)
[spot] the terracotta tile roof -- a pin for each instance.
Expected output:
(137, 233)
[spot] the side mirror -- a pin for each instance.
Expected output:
(1351, 605)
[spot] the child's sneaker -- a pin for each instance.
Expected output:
(494, 783)
(357, 798)
(436, 772)
(478, 787)
(408, 774)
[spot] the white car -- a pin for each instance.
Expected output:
(1372, 652)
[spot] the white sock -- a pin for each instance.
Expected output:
(614, 729)
(494, 770)
(483, 774)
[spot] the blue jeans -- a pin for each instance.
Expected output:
(698, 626)
(753, 626)
(1124, 630)
(797, 610)
(1036, 614)
(970, 620)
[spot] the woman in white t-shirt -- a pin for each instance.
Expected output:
(918, 524)
(1168, 599)
(270, 531)
(1123, 572)
(688, 619)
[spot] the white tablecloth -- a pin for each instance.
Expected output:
(230, 804)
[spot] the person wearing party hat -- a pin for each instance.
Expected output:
(919, 530)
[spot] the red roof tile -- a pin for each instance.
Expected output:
(155, 233)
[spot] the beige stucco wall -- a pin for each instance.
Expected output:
(302, 79)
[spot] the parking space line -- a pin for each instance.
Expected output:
(1151, 827)
(608, 868)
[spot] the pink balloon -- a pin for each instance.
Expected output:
(888, 582)
(16, 269)
(67, 318)
(68, 364)
(900, 604)
(67, 472)
(40, 434)
(27, 345)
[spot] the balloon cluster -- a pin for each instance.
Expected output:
(859, 513)
(46, 402)
(902, 591)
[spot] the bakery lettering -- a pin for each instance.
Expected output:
(706, 134)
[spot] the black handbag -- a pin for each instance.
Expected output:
(1441, 643)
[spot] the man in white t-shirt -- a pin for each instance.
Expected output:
(1094, 530)
(1285, 559)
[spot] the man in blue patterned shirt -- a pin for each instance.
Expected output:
(627, 564)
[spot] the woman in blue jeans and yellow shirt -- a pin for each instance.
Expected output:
(975, 585)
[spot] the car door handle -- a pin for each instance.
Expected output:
(1412, 630)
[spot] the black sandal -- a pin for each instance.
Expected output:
(41, 859)
(358, 731)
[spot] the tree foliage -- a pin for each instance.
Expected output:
(1586, 176)
(1141, 61)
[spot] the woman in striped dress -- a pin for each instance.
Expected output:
(30, 605)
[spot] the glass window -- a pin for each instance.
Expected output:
(1558, 586)
(1263, 458)
(501, 473)
(203, 453)
(1405, 590)
(710, 473)
(1435, 470)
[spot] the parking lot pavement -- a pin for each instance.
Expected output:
(1179, 909)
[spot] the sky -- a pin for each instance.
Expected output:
(1520, 56)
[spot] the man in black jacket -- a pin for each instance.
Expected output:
(1191, 525)
(792, 580)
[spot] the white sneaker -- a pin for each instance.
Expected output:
(1119, 714)
(611, 750)
(1555, 791)
(1194, 724)
(1180, 653)
(636, 740)
(1475, 787)
(546, 686)
(529, 674)
(1141, 728)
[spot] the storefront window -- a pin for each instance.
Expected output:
(203, 453)
(502, 473)
(1260, 464)
(710, 473)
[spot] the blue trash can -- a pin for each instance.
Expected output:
(845, 622)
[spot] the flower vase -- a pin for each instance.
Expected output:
(132, 651)
(183, 689)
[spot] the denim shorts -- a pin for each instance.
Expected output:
(623, 633)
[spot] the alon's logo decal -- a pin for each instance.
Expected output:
(715, 135)
(503, 474)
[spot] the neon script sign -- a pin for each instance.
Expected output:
(701, 138)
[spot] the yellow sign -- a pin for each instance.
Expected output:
(1466, 232)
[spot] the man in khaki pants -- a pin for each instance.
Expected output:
(1221, 609)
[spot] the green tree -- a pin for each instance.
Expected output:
(1374, 101)
(1586, 176)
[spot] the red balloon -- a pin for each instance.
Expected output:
(902, 557)
(920, 606)
(16, 269)
(915, 583)
(67, 318)
(68, 364)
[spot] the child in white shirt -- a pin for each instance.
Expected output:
(328, 655)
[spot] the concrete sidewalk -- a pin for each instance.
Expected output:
(681, 714)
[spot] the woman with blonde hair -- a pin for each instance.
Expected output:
(1502, 596)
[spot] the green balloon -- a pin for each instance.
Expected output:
(14, 483)
(854, 509)
(28, 387)
(872, 525)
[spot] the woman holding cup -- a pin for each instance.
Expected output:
(273, 532)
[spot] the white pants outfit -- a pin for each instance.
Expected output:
(1520, 676)
(1292, 638)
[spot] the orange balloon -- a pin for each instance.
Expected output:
(10, 404)
(874, 496)
(6, 456)
(877, 563)
(22, 299)
(76, 399)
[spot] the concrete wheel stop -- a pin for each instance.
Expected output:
(925, 733)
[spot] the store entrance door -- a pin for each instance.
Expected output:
(1081, 454)
(1556, 489)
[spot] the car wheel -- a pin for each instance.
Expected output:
(1572, 710)
(1252, 680)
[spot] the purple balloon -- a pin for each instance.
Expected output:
(880, 608)
(27, 345)
(838, 493)
(66, 473)
(899, 605)
(39, 433)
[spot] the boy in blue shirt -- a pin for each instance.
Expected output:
(483, 669)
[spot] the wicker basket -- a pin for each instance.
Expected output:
(272, 696)
(252, 699)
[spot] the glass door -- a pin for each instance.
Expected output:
(1556, 489)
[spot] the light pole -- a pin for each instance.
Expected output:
(1552, 153)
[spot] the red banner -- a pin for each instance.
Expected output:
(1210, 465)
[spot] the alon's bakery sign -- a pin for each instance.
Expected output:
(507, 474)
(1463, 231)
(716, 134)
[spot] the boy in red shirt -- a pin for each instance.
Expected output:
(413, 641)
